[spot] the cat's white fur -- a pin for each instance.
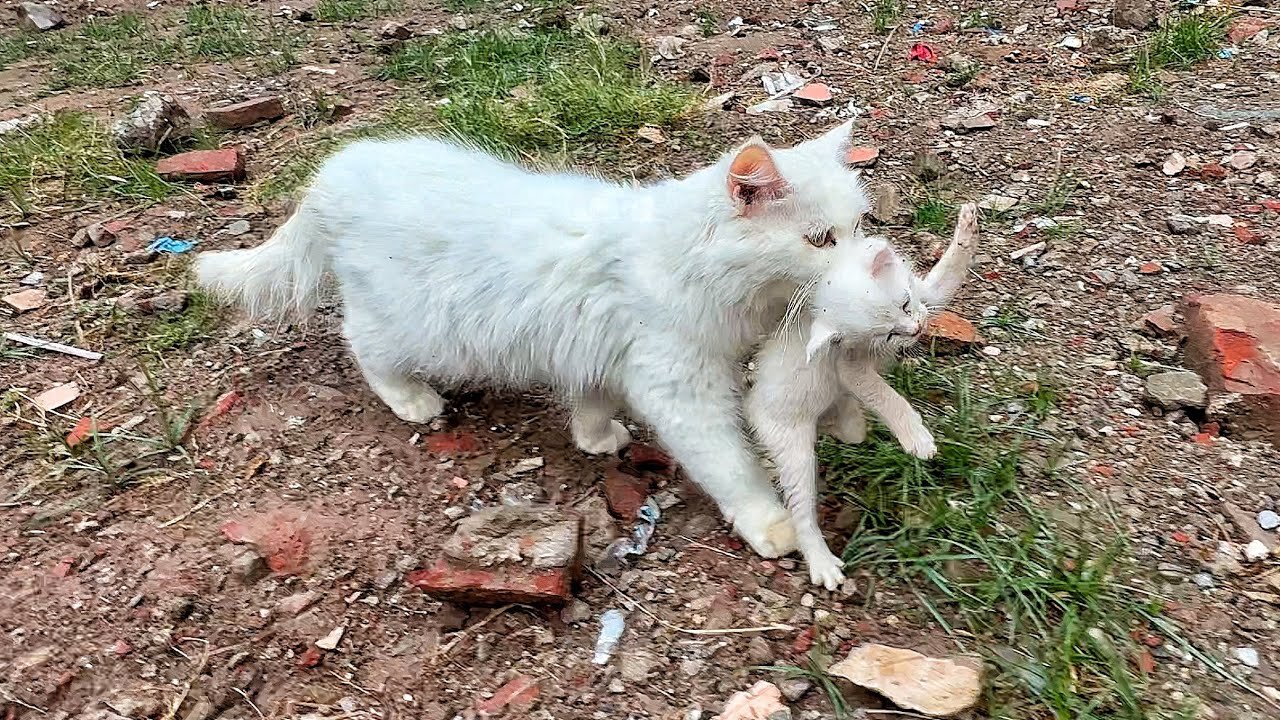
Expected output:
(804, 379)
(455, 266)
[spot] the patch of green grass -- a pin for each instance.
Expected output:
(960, 76)
(1181, 42)
(519, 92)
(16, 47)
(349, 10)
(227, 33)
(814, 669)
(108, 52)
(173, 330)
(1044, 594)
(933, 215)
(980, 18)
(67, 158)
(707, 21)
(1059, 195)
(885, 14)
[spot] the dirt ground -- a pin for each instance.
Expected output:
(128, 599)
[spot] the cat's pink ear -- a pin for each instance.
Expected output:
(882, 262)
(754, 179)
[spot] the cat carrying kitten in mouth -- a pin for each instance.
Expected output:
(455, 266)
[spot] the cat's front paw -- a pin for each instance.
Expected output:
(419, 408)
(967, 226)
(609, 443)
(920, 443)
(768, 530)
(825, 569)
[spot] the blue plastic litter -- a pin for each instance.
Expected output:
(1082, 99)
(1227, 53)
(918, 27)
(170, 246)
(636, 543)
(612, 623)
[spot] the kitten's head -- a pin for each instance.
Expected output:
(870, 299)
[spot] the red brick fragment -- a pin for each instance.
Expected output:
(224, 164)
(862, 156)
(815, 93)
(518, 694)
(624, 493)
(245, 114)
(1233, 341)
(453, 443)
(949, 331)
(499, 586)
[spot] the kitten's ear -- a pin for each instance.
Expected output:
(754, 179)
(881, 263)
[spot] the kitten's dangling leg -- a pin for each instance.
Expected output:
(594, 429)
(846, 421)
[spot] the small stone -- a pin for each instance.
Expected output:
(245, 114)
(248, 567)
(928, 165)
(768, 106)
(97, 234)
(762, 701)
(616, 687)
(26, 300)
(999, 203)
(226, 164)
(330, 641)
(32, 279)
(1246, 656)
(1174, 164)
(1181, 225)
(949, 332)
(576, 611)
(1268, 520)
(519, 693)
(156, 123)
(1256, 551)
(1203, 580)
(395, 31)
(651, 134)
(670, 47)
(912, 681)
(807, 600)
(170, 301)
(1072, 42)
(385, 579)
(1177, 389)
(624, 493)
(815, 93)
(40, 17)
(1242, 159)
(1134, 14)
(795, 688)
(295, 604)
(886, 202)
(759, 652)
(237, 228)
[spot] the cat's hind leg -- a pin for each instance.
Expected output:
(410, 398)
(594, 429)
(845, 421)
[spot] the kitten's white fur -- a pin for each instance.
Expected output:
(455, 266)
(794, 392)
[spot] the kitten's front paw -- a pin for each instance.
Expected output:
(920, 444)
(825, 569)
(609, 443)
(767, 530)
(967, 226)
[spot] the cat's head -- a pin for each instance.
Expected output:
(871, 300)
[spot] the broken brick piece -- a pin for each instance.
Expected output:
(862, 156)
(814, 93)
(468, 586)
(1233, 341)
(245, 114)
(519, 693)
(948, 331)
(225, 164)
(624, 493)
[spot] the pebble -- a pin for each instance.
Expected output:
(237, 228)
(1246, 656)
(1204, 580)
(795, 688)
(1268, 520)
(616, 687)
(330, 641)
(806, 600)
(1256, 551)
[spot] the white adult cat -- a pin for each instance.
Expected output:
(803, 376)
(455, 266)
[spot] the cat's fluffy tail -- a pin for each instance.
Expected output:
(281, 275)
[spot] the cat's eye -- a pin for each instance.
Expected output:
(822, 239)
(906, 306)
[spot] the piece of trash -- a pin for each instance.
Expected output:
(57, 396)
(527, 465)
(1174, 164)
(322, 71)
(170, 246)
(33, 279)
(1227, 53)
(933, 686)
(923, 53)
(637, 543)
(53, 346)
(237, 228)
(917, 27)
(612, 623)
(1032, 249)
(781, 105)
(1082, 99)
(780, 83)
(330, 641)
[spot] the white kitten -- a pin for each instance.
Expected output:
(802, 379)
(455, 266)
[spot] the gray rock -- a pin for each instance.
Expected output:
(1268, 520)
(248, 567)
(158, 121)
(1181, 225)
(1134, 14)
(1246, 656)
(1178, 389)
(1204, 580)
(39, 17)
(795, 688)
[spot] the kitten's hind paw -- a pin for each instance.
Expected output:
(769, 532)
(921, 445)
(825, 569)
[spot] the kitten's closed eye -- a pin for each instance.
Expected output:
(822, 239)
